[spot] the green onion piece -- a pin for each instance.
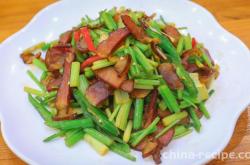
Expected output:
(183, 134)
(211, 92)
(56, 135)
(150, 77)
(162, 105)
(180, 45)
(142, 60)
(181, 131)
(88, 72)
(97, 145)
(127, 132)
(121, 97)
(171, 53)
(108, 20)
(162, 19)
(203, 109)
(74, 138)
(138, 114)
(122, 117)
(73, 42)
(145, 132)
(95, 114)
(115, 112)
(169, 98)
(187, 42)
(99, 136)
(195, 119)
(38, 63)
(139, 86)
(141, 46)
(50, 95)
(138, 133)
(184, 104)
(152, 63)
(123, 147)
(33, 77)
(43, 75)
(46, 115)
(45, 46)
(180, 94)
(71, 132)
(166, 129)
(95, 37)
(207, 60)
(74, 75)
(33, 91)
(108, 112)
(70, 124)
(117, 150)
(188, 100)
(147, 82)
(83, 84)
(134, 68)
(174, 117)
(80, 57)
(155, 25)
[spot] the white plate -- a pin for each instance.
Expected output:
(23, 129)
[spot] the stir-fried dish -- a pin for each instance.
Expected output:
(123, 80)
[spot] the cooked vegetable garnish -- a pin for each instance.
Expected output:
(122, 80)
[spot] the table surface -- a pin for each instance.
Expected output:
(234, 15)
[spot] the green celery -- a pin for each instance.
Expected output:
(174, 117)
(122, 116)
(138, 114)
(74, 75)
(127, 132)
(121, 97)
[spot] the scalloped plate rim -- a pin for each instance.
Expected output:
(40, 13)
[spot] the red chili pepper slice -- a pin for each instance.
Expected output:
(86, 35)
(194, 42)
(89, 61)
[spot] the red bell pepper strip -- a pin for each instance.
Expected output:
(86, 35)
(89, 61)
(194, 42)
(77, 36)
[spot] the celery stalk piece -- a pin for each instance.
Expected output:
(115, 112)
(74, 75)
(138, 114)
(121, 97)
(122, 117)
(171, 118)
(127, 132)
